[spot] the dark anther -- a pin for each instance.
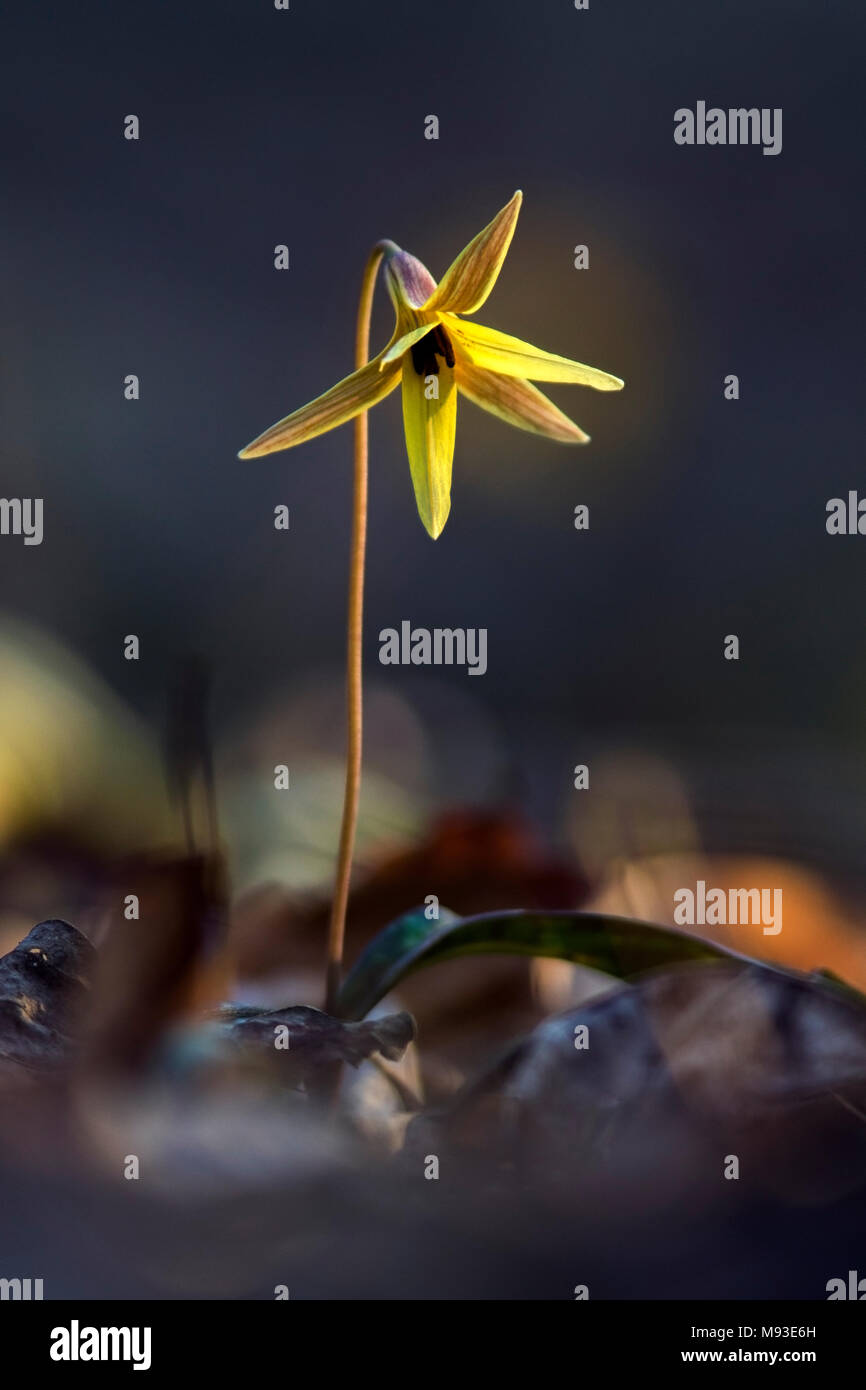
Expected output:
(434, 344)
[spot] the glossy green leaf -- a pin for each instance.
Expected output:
(617, 946)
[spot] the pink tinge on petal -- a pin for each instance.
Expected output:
(409, 280)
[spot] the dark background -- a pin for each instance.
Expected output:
(707, 517)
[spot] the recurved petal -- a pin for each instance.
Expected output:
(409, 282)
(429, 421)
(405, 341)
(469, 279)
(517, 403)
(499, 352)
(343, 402)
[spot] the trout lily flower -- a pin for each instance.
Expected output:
(436, 354)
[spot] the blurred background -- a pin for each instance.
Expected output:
(707, 517)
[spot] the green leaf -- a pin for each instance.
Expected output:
(617, 946)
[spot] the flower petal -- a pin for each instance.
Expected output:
(499, 352)
(469, 279)
(405, 341)
(429, 426)
(517, 403)
(343, 402)
(409, 282)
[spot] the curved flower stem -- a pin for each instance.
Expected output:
(354, 651)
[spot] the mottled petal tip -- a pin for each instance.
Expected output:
(409, 282)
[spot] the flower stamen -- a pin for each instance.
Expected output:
(434, 344)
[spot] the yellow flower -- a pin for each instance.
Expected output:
(435, 354)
